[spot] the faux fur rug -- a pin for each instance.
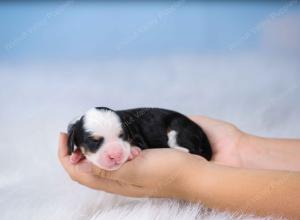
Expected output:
(37, 101)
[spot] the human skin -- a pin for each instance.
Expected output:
(232, 181)
(233, 147)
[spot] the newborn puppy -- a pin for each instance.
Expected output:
(109, 138)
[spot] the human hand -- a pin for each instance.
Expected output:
(225, 140)
(154, 173)
(175, 174)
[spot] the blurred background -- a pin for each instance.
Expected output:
(233, 60)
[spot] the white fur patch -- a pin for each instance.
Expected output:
(103, 123)
(172, 141)
(107, 124)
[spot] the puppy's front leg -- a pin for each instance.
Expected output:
(134, 152)
(76, 156)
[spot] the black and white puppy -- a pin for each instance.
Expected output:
(109, 138)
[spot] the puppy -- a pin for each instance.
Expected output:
(109, 138)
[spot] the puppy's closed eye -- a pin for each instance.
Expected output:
(94, 143)
(121, 135)
(96, 140)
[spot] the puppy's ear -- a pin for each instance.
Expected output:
(72, 131)
(71, 139)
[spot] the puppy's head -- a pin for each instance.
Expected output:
(101, 138)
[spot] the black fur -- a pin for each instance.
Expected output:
(148, 128)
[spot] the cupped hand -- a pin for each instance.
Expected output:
(225, 140)
(154, 173)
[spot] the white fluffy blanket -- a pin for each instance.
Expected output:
(37, 101)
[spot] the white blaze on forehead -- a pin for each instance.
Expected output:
(101, 122)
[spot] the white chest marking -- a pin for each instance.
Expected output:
(172, 142)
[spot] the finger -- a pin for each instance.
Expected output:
(84, 171)
(111, 186)
(83, 167)
(84, 174)
(125, 173)
(87, 168)
(63, 156)
(62, 145)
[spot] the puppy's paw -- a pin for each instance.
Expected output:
(134, 152)
(76, 156)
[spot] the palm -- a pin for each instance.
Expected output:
(224, 138)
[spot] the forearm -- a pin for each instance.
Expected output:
(244, 190)
(267, 153)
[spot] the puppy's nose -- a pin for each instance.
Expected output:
(115, 155)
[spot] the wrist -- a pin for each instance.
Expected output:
(242, 148)
(189, 184)
(249, 150)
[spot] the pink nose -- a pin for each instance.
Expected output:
(115, 155)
